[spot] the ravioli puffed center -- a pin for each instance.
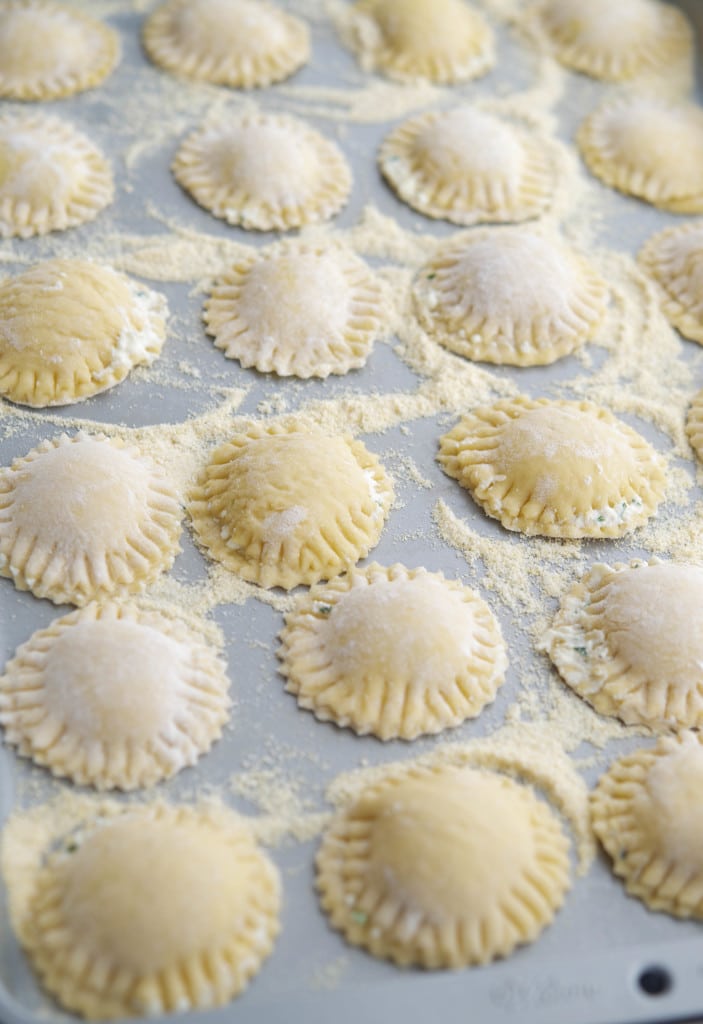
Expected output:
(426, 27)
(660, 142)
(602, 26)
(683, 255)
(668, 803)
(449, 845)
(413, 630)
(519, 275)
(469, 143)
(300, 300)
(36, 41)
(83, 495)
(114, 679)
(654, 620)
(149, 894)
(564, 451)
(267, 161)
(34, 170)
(229, 28)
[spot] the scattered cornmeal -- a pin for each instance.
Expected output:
(443, 867)
(394, 652)
(646, 811)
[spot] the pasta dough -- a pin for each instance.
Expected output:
(517, 296)
(694, 424)
(649, 147)
(298, 308)
(114, 695)
(393, 652)
(444, 41)
(629, 639)
(240, 43)
(646, 813)
(70, 329)
(466, 166)
(555, 468)
(281, 506)
(160, 909)
(615, 41)
(86, 517)
(51, 176)
(50, 50)
(674, 259)
(264, 172)
(443, 867)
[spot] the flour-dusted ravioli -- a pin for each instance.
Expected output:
(281, 506)
(443, 867)
(649, 147)
(395, 652)
(555, 468)
(441, 40)
(159, 909)
(50, 50)
(70, 329)
(467, 166)
(264, 171)
(615, 41)
(51, 176)
(241, 43)
(514, 295)
(647, 811)
(674, 258)
(306, 309)
(86, 517)
(629, 639)
(114, 696)
(694, 424)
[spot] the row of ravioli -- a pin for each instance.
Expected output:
(50, 50)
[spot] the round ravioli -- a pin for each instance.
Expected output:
(615, 41)
(281, 506)
(264, 172)
(240, 43)
(629, 640)
(70, 329)
(555, 468)
(514, 296)
(694, 424)
(160, 909)
(86, 517)
(444, 41)
(50, 50)
(647, 811)
(114, 696)
(443, 867)
(394, 652)
(674, 259)
(51, 176)
(649, 147)
(467, 166)
(298, 308)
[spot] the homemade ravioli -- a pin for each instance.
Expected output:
(466, 166)
(51, 176)
(615, 41)
(264, 172)
(241, 43)
(629, 640)
(159, 909)
(86, 517)
(555, 468)
(674, 259)
(70, 329)
(298, 308)
(114, 696)
(694, 425)
(515, 296)
(395, 652)
(646, 811)
(443, 867)
(444, 41)
(50, 50)
(281, 506)
(649, 147)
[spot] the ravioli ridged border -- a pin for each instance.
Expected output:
(682, 307)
